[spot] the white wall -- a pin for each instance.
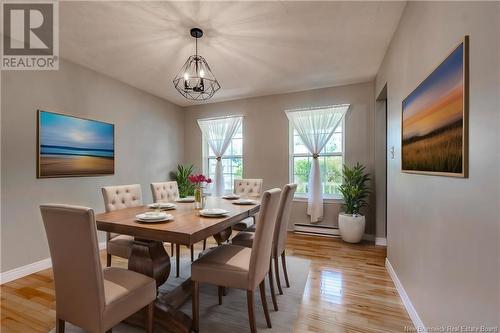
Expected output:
(149, 138)
(444, 233)
(266, 139)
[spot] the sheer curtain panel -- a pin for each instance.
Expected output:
(315, 127)
(218, 133)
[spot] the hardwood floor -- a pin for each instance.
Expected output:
(348, 290)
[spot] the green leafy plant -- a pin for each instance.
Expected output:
(354, 189)
(181, 176)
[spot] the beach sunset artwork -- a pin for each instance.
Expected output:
(70, 146)
(434, 120)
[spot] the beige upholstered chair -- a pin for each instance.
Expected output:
(169, 192)
(240, 267)
(249, 188)
(119, 197)
(86, 295)
(246, 238)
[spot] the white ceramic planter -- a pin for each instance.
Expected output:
(352, 227)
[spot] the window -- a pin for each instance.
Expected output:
(330, 159)
(232, 160)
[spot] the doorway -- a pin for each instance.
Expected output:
(381, 168)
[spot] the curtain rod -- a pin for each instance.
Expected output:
(221, 117)
(319, 107)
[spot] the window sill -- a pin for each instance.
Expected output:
(336, 200)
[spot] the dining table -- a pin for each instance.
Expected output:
(149, 257)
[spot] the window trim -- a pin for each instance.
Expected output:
(303, 197)
(205, 149)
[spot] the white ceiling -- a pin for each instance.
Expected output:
(253, 48)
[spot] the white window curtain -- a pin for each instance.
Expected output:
(315, 127)
(218, 133)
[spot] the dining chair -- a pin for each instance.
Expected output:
(169, 192)
(240, 267)
(247, 238)
(119, 197)
(249, 188)
(88, 296)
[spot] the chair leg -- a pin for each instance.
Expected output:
(149, 317)
(172, 250)
(263, 299)
(251, 314)
(177, 259)
(60, 324)
(283, 263)
(277, 274)
(204, 244)
(195, 306)
(108, 260)
(192, 253)
(220, 291)
(271, 286)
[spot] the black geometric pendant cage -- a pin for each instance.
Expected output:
(195, 80)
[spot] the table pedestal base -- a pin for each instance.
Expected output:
(151, 259)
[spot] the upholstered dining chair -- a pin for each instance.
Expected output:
(246, 238)
(86, 295)
(249, 188)
(119, 197)
(240, 267)
(169, 192)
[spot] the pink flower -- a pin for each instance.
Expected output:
(209, 180)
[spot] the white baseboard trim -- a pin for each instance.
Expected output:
(381, 241)
(26, 270)
(415, 318)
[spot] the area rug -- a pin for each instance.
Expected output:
(232, 315)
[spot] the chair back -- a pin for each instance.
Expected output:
(121, 196)
(263, 239)
(72, 236)
(165, 191)
(283, 217)
(248, 187)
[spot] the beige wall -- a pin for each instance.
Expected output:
(148, 144)
(443, 233)
(266, 136)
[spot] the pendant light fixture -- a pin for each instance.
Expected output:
(195, 80)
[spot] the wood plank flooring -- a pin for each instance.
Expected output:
(348, 290)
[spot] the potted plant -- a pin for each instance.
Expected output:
(181, 176)
(354, 190)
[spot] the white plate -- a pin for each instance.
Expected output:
(213, 212)
(231, 197)
(162, 205)
(188, 199)
(166, 217)
(151, 216)
(245, 202)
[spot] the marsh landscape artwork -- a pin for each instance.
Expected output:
(70, 146)
(434, 122)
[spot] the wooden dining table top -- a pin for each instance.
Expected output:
(187, 226)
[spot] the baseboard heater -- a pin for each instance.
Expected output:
(317, 230)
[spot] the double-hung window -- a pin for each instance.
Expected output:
(331, 159)
(232, 160)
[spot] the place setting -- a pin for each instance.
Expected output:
(153, 217)
(245, 201)
(214, 212)
(162, 205)
(231, 196)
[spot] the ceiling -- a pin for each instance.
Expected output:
(253, 48)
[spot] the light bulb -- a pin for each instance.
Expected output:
(186, 76)
(202, 72)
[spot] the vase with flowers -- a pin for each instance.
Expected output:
(199, 182)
